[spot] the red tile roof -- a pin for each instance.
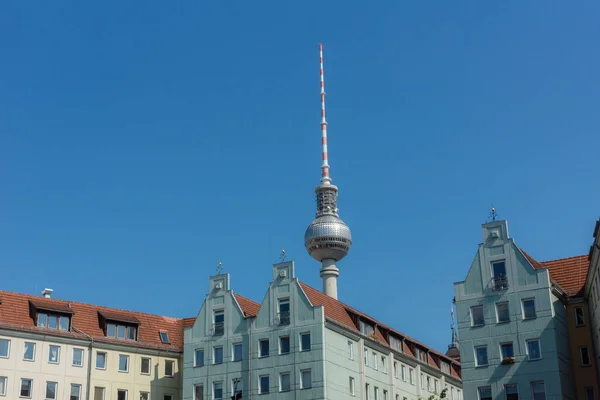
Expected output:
(249, 308)
(339, 312)
(15, 314)
(570, 273)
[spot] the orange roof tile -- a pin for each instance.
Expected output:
(15, 314)
(249, 307)
(570, 273)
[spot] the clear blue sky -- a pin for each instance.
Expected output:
(143, 142)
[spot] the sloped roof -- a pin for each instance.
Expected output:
(570, 273)
(249, 307)
(15, 314)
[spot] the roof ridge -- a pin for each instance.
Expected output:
(564, 258)
(35, 297)
(247, 298)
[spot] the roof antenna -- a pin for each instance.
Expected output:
(325, 166)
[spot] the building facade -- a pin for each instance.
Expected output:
(300, 343)
(592, 290)
(521, 323)
(54, 349)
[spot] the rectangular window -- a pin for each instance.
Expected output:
(534, 351)
(284, 345)
(54, 354)
(579, 319)
(366, 357)
(78, 357)
(395, 369)
(121, 394)
(284, 311)
(29, 351)
(445, 367)
(589, 393)
(4, 348)
(506, 350)
(511, 392)
(538, 390)
(219, 322)
(123, 363)
(585, 356)
(3, 385)
(218, 390)
(374, 360)
(145, 367)
(485, 393)
(500, 279)
(199, 358)
(98, 393)
(284, 382)
(435, 385)
(198, 392)
(385, 394)
(528, 308)
(411, 373)
(481, 356)
(376, 393)
(428, 384)
(26, 387)
(144, 396)
(477, 318)
(403, 372)
(502, 313)
(120, 332)
(264, 348)
(367, 391)
(168, 397)
(305, 379)
(350, 350)
(42, 320)
(304, 341)
(237, 352)
(52, 321)
(164, 337)
(263, 386)
(75, 392)
(218, 355)
(51, 390)
(351, 385)
(100, 360)
(169, 368)
(237, 388)
(383, 367)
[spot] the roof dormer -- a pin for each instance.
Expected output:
(118, 325)
(50, 314)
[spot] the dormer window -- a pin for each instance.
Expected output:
(164, 337)
(49, 315)
(366, 328)
(119, 325)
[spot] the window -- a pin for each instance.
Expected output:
(121, 394)
(538, 390)
(169, 368)
(77, 357)
(123, 363)
(422, 381)
(376, 393)
(284, 311)
(485, 393)
(350, 350)
(403, 372)
(263, 386)
(218, 390)
(218, 355)
(411, 373)
(477, 318)
(164, 337)
(367, 391)
(422, 355)
(26, 385)
(29, 351)
(305, 379)
(502, 313)
(237, 352)
(383, 365)
(374, 360)
(385, 394)
(98, 393)
(4, 348)
(506, 350)
(585, 357)
(145, 367)
(144, 396)
(284, 382)
(528, 308)
(284, 345)
(53, 321)
(366, 328)
(534, 351)
(481, 356)
(428, 384)
(237, 388)
(500, 279)
(100, 360)
(168, 397)
(445, 367)
(579, 319)
(366, 357)
(395, 369)
(219, 322)
(51, 390)
(396, 343)
(511, 392)
(54, 354)
(119, 331)
(199, 358)
(304, 341)
(589, 393)
(264, 348)
(351, 385)
(435, 385)
(198, 392)
(3, 385)
(75, 392)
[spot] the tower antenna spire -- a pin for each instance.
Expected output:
(325, 165)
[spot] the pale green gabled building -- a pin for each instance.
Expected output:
(302, 344)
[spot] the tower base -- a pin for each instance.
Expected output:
(329, 274)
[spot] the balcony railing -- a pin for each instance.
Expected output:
(284, 318)
(218, 328)
(500, 282)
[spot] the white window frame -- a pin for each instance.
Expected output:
(5, 379)
(125, 391)
(75, 385)
(505, 343)
(260, 355)
(281, 374)
(7, 348)
(260, 391)
(486, 354)
(403, 372)
(30, 388)
(145, 393)
(351, 386)
(119, 363)
(196, 357)
(523, 309)
(289, 344)
(103, 392)
(511, 385)
(24, 351)
(309, 341)
(214, 355)
(213, 390)
(375, 361)
(172, 368)
(350, 350)
(531, 388)
(585, 389)
(302, 383)
(73, 357)
(105, 360)
(57, 354)
(233, 345)
(527, 349)
(498, 314)
(55, 390)
(142, 365)
(472, 316)
(366, 356)
(589, 356)
(195, 390)
(582, 316)
(484, 387)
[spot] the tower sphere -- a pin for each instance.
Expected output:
(327, 237)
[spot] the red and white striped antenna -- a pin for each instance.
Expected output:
(325, 166)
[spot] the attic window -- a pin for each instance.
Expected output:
(164, 337)
(51, 316)
(366, 328)
(119, 326)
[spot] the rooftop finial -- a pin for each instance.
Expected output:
(219, 268)
(282, 255)
(493, 214)
(325, 166)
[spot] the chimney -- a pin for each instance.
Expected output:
(47, 293)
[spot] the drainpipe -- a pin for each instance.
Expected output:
(90, 357)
